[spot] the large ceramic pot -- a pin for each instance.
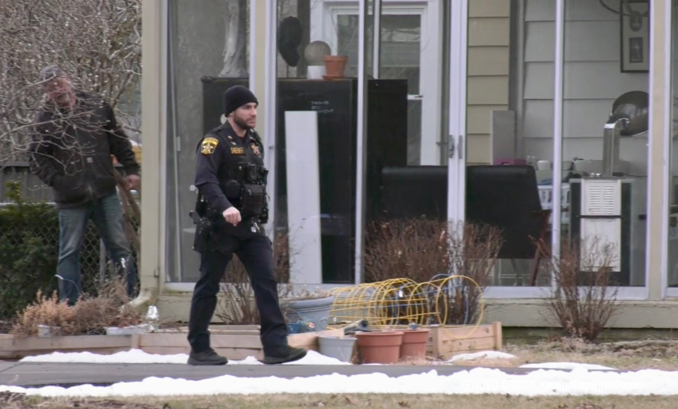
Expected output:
(380, 347)
(414, 344)
(315, 311)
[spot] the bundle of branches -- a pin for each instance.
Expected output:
(96, 42)
(405, 248)
(585, 295)
(472, 252)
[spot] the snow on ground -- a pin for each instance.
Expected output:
(137, 356)
(565, 365)
(475, 381)
(481, 354)
(550, 378)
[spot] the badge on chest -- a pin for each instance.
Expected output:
(255, 149)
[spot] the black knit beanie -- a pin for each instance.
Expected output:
(237, 96)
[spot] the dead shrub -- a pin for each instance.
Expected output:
(89, 316)
(405, 248)
(472, 253)
(238, 306)
(584, 299)
(45, 311)
(110, 308)
(444, 254)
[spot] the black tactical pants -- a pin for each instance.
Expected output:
(255, 252)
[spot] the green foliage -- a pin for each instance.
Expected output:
(29, 248)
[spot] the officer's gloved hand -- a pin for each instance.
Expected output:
(232, 215)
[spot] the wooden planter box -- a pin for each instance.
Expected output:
(229, 341)
(232, 342)
(12, 347)
(446, 341)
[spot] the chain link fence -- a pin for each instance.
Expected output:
(44, 233)
(29, 246)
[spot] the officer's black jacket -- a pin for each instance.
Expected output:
(217, 153)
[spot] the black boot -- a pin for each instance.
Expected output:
(291, 355)
(208, 357)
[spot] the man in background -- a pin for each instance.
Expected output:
(75, 135)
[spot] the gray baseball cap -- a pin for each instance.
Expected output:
(49, 72)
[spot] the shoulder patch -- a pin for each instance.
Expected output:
(209, 145)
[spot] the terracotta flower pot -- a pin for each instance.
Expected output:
(380, 347)
(414, 344)
(335, 66)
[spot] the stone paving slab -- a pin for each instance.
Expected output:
(70, 374)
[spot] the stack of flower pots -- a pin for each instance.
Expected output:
(389, 347)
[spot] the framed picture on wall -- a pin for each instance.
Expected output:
(635, 35)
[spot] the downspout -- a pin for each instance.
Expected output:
(153, 126)
(147, 296)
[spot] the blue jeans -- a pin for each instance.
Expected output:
(106, 213)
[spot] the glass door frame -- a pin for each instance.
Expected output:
(456, 144)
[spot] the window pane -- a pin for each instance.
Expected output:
(605, 111)
(672, 274)
(316, 142)
(208, 38)
(510, 133)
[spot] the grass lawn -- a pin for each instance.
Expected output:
(350, 401)
(631, 355)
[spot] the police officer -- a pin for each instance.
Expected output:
(231, 206)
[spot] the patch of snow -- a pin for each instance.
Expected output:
(565, 365)
(133, 356)
(577, 382)
(315, 358)
(481, 354)
(137, 356)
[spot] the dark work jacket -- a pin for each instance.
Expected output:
(71, 152)
(217, 152)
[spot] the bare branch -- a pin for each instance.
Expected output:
(97, 43)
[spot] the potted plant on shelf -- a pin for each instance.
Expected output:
(335, 65)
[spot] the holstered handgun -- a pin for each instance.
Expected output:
(204, 228)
